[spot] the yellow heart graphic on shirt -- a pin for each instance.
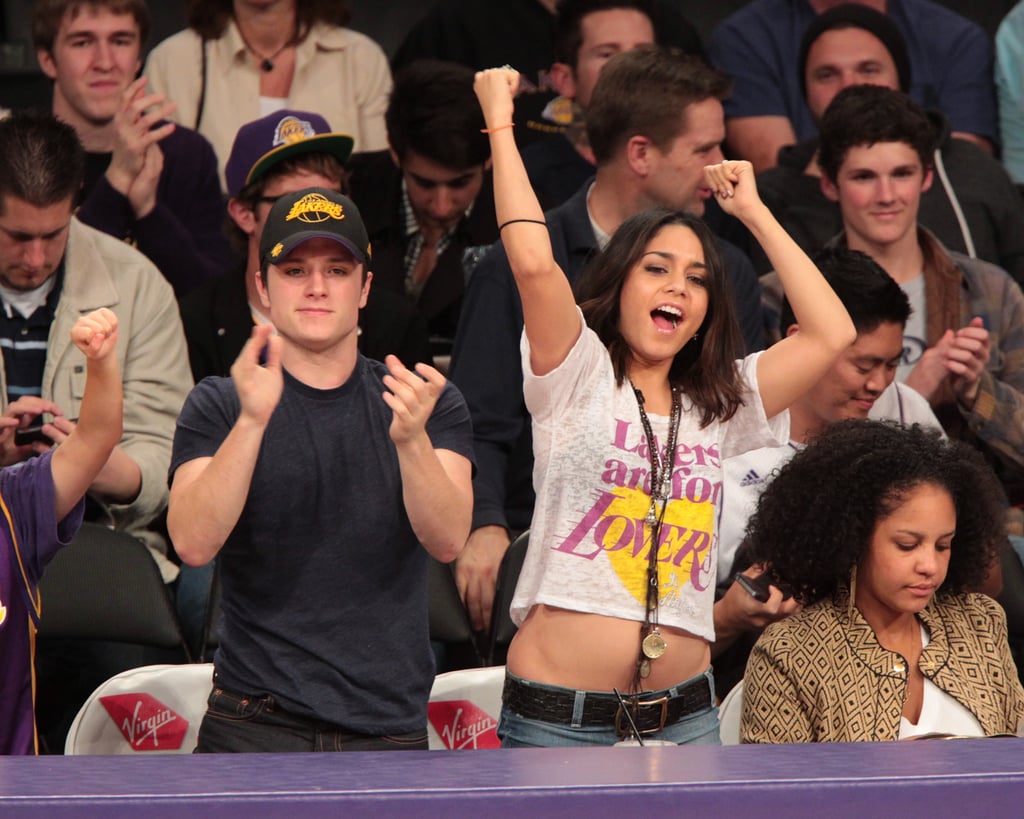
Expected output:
(685, 542)
(3, 614)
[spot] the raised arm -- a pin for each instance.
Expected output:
(208, 494)
(549, 309)
(437, 484)
(788, 369)
(81, 456)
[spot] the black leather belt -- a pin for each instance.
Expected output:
(605, 710)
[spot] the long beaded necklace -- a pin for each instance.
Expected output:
(652, 644)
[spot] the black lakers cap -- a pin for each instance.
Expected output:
(313, 213)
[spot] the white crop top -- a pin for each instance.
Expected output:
(588, 545)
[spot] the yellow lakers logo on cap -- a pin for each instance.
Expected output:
(559, 110)
(315, 207)
(292, 129)
(277, 250)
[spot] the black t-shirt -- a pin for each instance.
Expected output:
(324, 582)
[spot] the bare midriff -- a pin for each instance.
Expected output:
(598, 653)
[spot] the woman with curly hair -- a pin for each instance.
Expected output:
(880, 532)
(240, 60)
(636, 396)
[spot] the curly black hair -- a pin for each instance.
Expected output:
(816, 518)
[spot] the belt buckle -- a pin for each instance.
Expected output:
(624, 731)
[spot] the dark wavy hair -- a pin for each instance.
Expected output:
(705, 368)
(209, 18)
(816, 519)
(867, 115)
(433, 112)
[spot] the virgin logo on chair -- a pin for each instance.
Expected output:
(462, 725)
(146, 723)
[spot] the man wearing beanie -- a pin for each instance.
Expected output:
(971, 206)
(759, 44)
(320, 481)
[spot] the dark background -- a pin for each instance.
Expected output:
(386, 21)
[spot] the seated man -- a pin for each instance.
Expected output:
(758, 45)
(321, 481)
(964, 343)
(427, 202)
(860, 384)
(972, 207)
(52, 269)
(587, 34)
(278, 154)
(147, 181)
(655, 120)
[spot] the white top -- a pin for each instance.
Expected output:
(747, 475)
(940, 712)
(271, 105)
(588, 543)
(915, 333)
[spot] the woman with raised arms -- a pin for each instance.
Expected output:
(636, 396)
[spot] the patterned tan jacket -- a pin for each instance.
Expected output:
(819, 677)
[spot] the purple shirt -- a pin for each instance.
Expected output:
(26, 491)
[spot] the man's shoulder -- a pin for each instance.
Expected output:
(329, 37)
(375, 187)
(931, 18)
(169, 50)
(978, 274)
(95, 261)
(215, 298)
(904, 405)
(85, 241)
(569, 223)
(762, 16)
(186, 143)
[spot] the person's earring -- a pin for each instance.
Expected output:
(694, 337)
(853, 589)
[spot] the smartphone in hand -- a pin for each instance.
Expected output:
(757, 587)
(29, 435)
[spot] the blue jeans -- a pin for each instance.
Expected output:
(242, 723)
(700, 728)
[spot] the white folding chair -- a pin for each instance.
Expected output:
(152, 709)
(464, 708)
(729, 713)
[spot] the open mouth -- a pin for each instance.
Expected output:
(666, 317)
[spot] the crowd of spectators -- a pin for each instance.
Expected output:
(285, 226)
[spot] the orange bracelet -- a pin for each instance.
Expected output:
(499, 128)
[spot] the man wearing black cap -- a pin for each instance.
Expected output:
(758, 46)
(971, 206)
(314, 479)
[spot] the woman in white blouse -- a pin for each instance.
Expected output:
(240, 60)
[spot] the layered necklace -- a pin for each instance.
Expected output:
(652, 644)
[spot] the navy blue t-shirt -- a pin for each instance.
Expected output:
(324, 583)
